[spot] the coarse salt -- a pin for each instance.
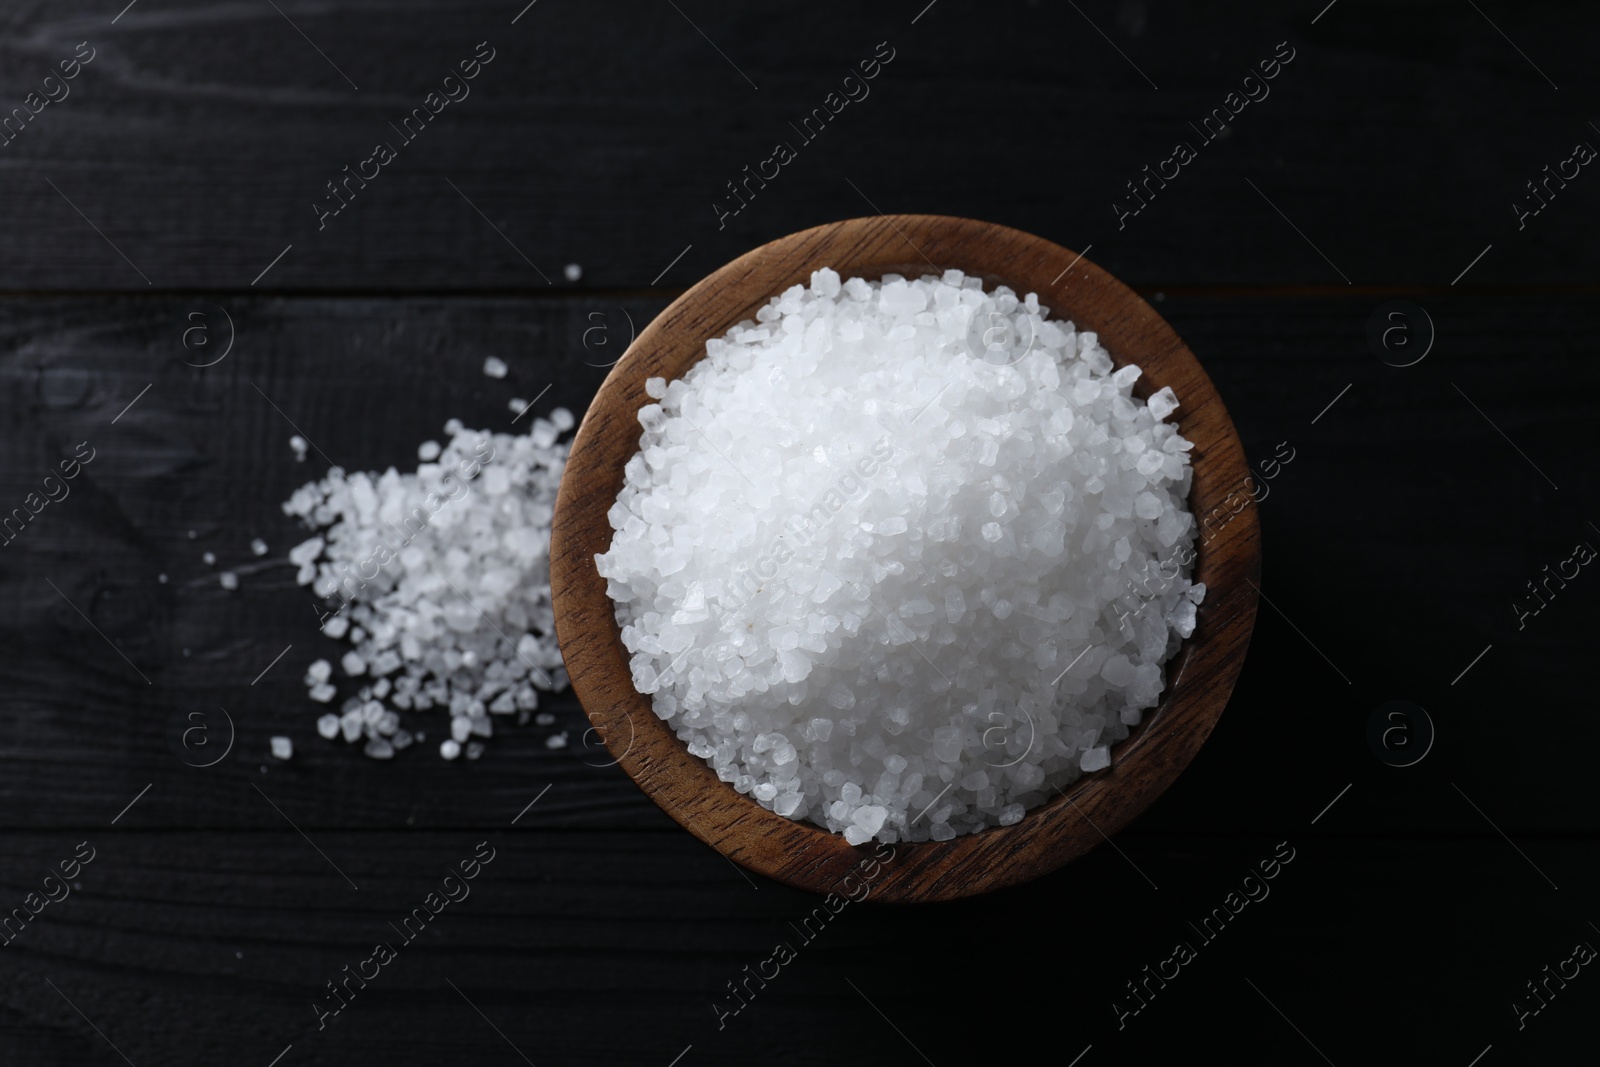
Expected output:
(874, 560)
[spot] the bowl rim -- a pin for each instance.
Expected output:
(1090, 809)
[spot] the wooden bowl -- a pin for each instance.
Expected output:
(1200, 677)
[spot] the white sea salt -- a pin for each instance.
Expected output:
(440, 581)
(878, 554)
(495, 367)
(282, 748)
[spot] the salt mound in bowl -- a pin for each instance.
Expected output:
(903, 558)
(1198, 678)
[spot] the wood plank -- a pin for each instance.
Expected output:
(1395, 543)
(204, 947)
(201, 137)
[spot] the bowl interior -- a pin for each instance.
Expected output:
(1200, 676)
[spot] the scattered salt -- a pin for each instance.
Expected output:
(440, 581)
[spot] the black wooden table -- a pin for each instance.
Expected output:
(1330, 203)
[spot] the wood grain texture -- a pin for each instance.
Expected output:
(204, 132)
(1200, 677)
(196, 948)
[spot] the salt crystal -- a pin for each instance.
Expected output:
(258, 547)
(495, 367)
(1163, 403)
(283, 747)
(870, 817)
(1095, 759)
